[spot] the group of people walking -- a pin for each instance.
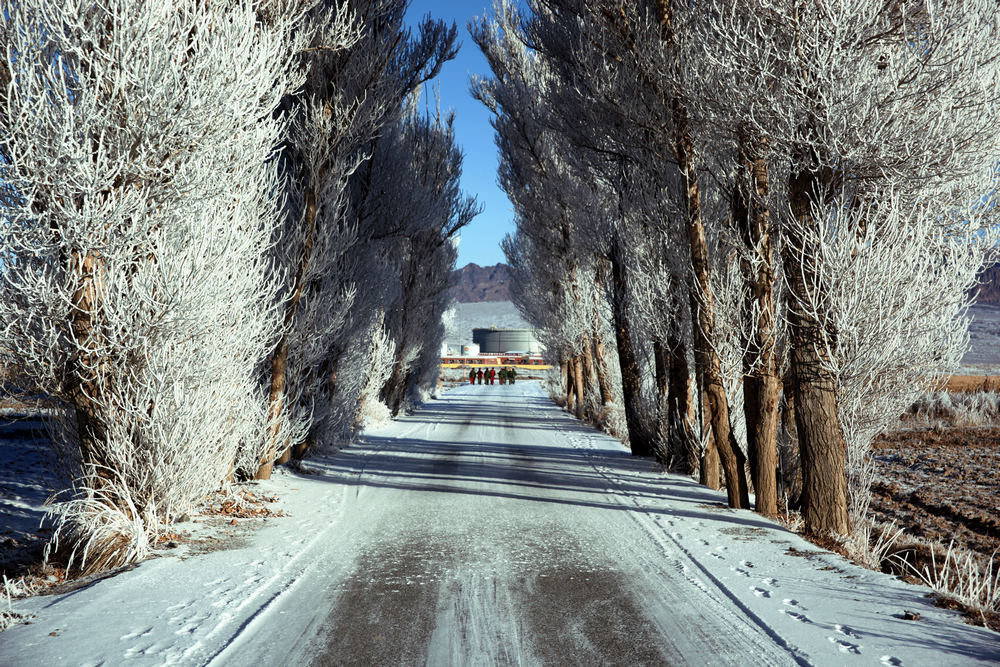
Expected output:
(490, 375)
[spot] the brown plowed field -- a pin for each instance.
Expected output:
(941, 484)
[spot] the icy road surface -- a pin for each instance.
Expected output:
(487, 536)
(490, 528)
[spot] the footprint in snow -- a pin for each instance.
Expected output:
(788, 602)
(846, 647)
(769, 581)
(801, 618)
(137, 651)
(746, 563)
(891, 661)
(760, 592)
(846, 631)
(715, 555)
(136, 634)
(738, 570)
(187, 629)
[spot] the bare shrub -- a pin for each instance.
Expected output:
(955, 409)
(871, 543)
(104, 528)
(961, 576)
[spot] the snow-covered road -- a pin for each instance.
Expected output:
(490, 528)
(487, 536)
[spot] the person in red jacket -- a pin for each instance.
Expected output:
(472, 376)
(493, 375)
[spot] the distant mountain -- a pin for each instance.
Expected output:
(989, 286)
(474, 283)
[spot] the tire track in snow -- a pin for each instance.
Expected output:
(668, 543)
(651, 529)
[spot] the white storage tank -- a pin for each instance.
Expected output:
(500, 341)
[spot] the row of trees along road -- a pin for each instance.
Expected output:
(228, 232)
(765, 216)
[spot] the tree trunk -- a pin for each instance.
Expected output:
(661, 360)
(564, 377)
(821, 442)
(708, 470)
(300, 450)
(570, 383)
(86, 387)
(680, 411)
(578, 385)
(279, 360)
(761, 386)
(601, 366)
(703, 316)
(639, 438)
(760, 395)
(707, 359)
(394, 391)
(587, 363)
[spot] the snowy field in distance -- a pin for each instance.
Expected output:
(984, 341)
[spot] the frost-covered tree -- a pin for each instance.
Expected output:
(137, 291)
(560, 248)
(408, 202)
(350, 94)
(783, 162)
(614, 100)
(880, 122)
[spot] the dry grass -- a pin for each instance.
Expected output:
(966, 384)
(960, 579)
(944, 409)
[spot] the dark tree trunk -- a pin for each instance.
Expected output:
(587, 363)
(708, 470)
(680, 410)
(706, 358)
(661, 360)
(279, 359)
(640, 440)
(761, 386)
(821, 442)
(601, 367)
(703, 315)
(570, 383)
(578, 385)
(85, 387)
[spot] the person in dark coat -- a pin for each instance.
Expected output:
(511, 374)
(472, 376)
(479, 376)
(503, 376)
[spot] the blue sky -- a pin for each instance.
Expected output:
(481, 239)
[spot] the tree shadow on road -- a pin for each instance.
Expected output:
(524, 463)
